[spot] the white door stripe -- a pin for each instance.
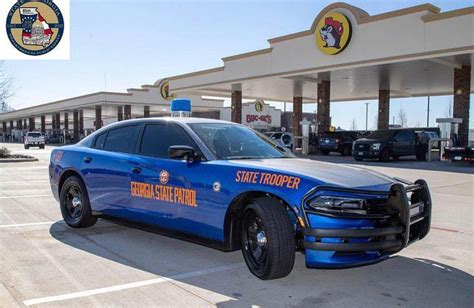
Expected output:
(28, 224)
(126, 286)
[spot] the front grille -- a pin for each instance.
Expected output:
(362, 147)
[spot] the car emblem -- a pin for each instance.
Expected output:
(216, 186)
(164, 177)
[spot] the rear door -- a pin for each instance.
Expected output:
(106, 169)
(168, 192)
(404, 143)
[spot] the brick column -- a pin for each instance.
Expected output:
(58, 120)
(19, 124)
(81, 121)
(4, 127)
(127, 112)
(66, 121)
(146, 111)
(31, 125)
(324, 105)
(383, 118)
(11, 126)
(461, 105)
(119, 113)
(43, 124)
(53, 122)
(297, 116)
(236, 106)
(75, 125)
(98, 117)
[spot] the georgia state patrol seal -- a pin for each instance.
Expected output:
(35, 27)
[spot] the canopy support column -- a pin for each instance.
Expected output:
(98, 117)
(384, 109)
(146, 111)
(119, 113)
(127, 110)
(324, 104)
(75, 125)
(461, 104)
(66, 121)
(31, 124)
(43, 124)
(236, 104)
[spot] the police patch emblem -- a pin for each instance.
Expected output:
(35, 27)
(164, 177)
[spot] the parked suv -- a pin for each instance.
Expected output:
(34, 139)
(391, 143)
(281, 138)
(340, 142)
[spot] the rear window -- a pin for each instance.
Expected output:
(121, 139)
(34, 135)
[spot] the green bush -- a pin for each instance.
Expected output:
(4, 152)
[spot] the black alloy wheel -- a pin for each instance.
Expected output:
(74, 203)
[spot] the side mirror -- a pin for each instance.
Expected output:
(183, 152)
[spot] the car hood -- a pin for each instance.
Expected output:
(369, 140)
(322, 173)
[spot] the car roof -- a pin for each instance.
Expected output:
(187, 120)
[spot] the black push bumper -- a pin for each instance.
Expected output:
(411, 223)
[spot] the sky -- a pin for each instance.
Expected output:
(121, 44)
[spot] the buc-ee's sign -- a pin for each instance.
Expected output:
(258, 115)
(333, 33)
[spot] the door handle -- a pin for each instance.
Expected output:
(87, 159)
(136, 170)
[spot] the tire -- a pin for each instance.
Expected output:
(395, 157)
(385, 155)
(79, 215)
(346, 151)
(325, 152)
(272, 256)
(421, 153)
(41, 147)
(27, 147)
(357, 159)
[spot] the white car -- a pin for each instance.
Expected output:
(34, 139)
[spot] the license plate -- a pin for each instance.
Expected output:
(326, 141)
(414, 211)
(457, 158)
(361, 153)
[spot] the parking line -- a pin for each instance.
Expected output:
(132, 285)
(28, 224)
(25, 196)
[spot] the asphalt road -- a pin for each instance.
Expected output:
(45, 263)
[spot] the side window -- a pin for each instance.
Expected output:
(100, 141)
(157, 138)
(121, 139)
(405, 135)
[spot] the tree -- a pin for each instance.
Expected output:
(402, 117)
(354, 124)
(6, 90)
(448, 113)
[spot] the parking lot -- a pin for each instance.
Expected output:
(45, 263)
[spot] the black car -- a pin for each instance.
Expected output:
(340, 141)
(391, 143)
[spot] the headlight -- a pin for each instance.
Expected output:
(327, 203)
(376, 146)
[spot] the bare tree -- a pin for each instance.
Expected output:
(6, 90)
(354, 124)
(402, 117)
(448, 113)
(375, 123)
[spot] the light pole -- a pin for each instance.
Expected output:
(366, 115)
(428, 114)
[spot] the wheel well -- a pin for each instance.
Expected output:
(66, 175)
(234, 213)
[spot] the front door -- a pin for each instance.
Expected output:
(168, 192)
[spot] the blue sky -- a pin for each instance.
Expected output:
(136, 42)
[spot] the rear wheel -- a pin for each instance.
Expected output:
(74, 203)
(346, 151)
(268, 240)
(385, 155)
(41, 146)
(357, 159)
(325, 152)
(27, 147)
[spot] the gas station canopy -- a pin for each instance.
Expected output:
(410, 52)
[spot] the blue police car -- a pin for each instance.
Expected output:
(226, 186)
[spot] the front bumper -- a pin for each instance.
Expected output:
(366, 154)
(332, 241)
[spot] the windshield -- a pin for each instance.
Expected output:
(379, 134)
(34, 135)
(230, 141)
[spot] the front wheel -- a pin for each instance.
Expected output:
(325, 152)
(267, 238)
(74, 203)
(346, 151)
(385, 155)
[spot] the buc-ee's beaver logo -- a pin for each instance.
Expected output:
(35, 27)
(333, 33)
(165, 90)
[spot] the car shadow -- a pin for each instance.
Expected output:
(403, 163)
(398, 281)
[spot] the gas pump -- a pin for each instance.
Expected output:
(451, 149)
